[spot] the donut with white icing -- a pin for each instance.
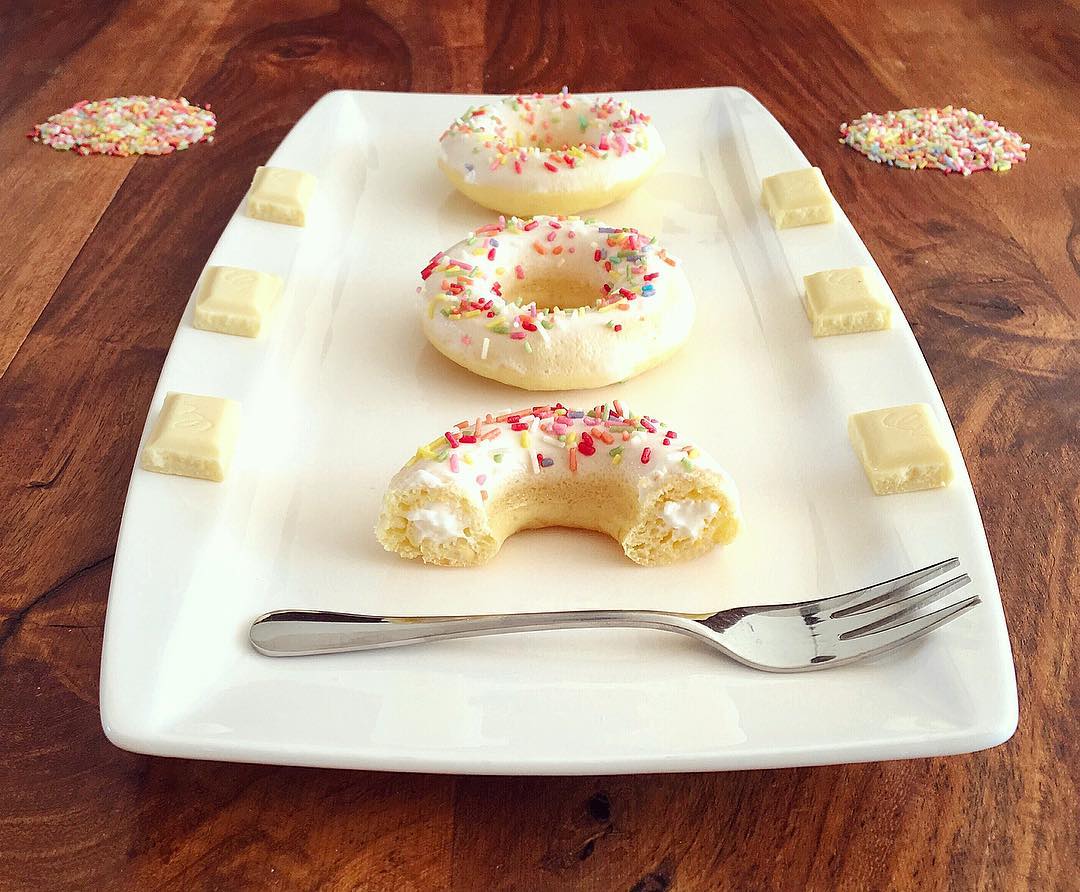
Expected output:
(549, 154)
(555, 303)
(630, 476)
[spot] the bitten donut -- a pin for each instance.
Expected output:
(630, 476)
(556, 154)
(555, 303)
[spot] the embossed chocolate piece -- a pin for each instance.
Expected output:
(845, 301)
(235, 301)
(280, 195)
(193, 437)
(900, 449)
(797, 198)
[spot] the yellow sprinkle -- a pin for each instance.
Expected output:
(693, 453)
(467, 457)
(617, 459)
(431, 309)
(524, 439)
(470, 314)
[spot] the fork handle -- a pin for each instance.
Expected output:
(295, 633)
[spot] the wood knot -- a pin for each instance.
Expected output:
(301, 48)
(599, 807)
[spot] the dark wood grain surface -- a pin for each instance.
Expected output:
(98, 257)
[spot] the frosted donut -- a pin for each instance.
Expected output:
(630, 476)
(556, 154)
(555, 303)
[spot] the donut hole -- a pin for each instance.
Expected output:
(567, 281)
(555, 130)
(549, 291)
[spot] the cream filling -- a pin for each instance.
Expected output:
(438, 524)
(687, 518)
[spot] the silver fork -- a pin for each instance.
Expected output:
(816, 634)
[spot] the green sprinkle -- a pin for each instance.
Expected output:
(583, 123)
(686, 464)
(498, 457)
(528, 347)
(501, 328)
(617, 450)
(547, 323)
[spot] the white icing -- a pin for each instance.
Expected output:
(687, 518)
(483, 145)
(438, 524)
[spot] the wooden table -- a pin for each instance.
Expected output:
(99, 256)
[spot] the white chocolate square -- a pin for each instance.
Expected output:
(797, 198)
(194, 436)
(845, 301)
(235, 301)
(280, 195)
(900, 449)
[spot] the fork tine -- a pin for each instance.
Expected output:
(904, 609)
(896, 635)
(897, 606)
(883, 593)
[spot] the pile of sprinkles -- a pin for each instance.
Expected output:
(465, 291)
(554, 434)
(127, 125)
(953, 140)
(606, 127)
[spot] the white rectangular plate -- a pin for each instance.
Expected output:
(343, 387)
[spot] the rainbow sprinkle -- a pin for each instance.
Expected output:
(464, 293)
(953, 140)
(606, 126)
(576, 435)
(127, 125)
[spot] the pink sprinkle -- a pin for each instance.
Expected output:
(551, 167)
(454, 463)
(551, 236)
(452, 440)
(648, 425)
(481, 479)
(517, 336)
(646, 454)
(491, 254)
(531, 225)
(519, 271)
